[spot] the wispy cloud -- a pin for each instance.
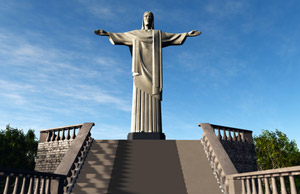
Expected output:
(226, 8)
(47, 70)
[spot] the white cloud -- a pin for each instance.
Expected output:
(226, 8)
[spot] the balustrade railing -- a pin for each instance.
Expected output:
(267, 181)
(232, 134)
(20, 182)
(73, 159)
(61, 133)
(219, 160)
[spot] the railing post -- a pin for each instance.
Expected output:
(49, 133)
(53, 136)
(274, 187)
(42, 191)
(37, 186)
(234, 135)
(248, 186)
(253, 186)
(229, 135)
(23, 185)
(243, 136)
(68, 134)
(282, 185)
(74, 133)
(58, 135)
(292, 185)
(243, 186)
(267, 186)
(15, 191)
(219, 134)
(260, 190)
(224, 135)
(48, 186)
(63, 134)
(30, 188)
(239, 136)
(7, 185)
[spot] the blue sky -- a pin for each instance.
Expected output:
(243, 71)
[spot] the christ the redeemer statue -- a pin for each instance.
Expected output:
(146, 50)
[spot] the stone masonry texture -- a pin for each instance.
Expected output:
(242, 155)
(50, 154)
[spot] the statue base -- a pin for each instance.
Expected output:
(145, 136)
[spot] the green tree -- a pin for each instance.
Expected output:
(275, 150)
(17, 149)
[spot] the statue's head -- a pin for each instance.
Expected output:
(148, 21)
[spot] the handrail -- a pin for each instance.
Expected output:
(38, 181)
(60, 133)
(220, 161)
(233, 134)
(252, 181)
(74, 156)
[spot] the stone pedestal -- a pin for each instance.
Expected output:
(145, 136)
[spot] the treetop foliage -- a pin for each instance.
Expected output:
(275, 150)
(17, 149)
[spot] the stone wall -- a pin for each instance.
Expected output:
(242, 155)
(50, 154)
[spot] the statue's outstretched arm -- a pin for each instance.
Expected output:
(101, 32)
(194, 33)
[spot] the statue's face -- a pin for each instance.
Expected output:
(148, 19)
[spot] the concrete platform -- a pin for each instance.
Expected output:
(147, 167)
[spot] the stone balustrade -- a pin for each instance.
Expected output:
(20, 181)
(219, 160)
(60, 133)
(74, 158)
(266, 181)
(53, 145)
(232, 134)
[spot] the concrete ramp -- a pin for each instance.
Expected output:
(146, 167)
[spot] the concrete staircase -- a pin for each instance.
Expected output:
(146, 166)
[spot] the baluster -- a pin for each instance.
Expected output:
(253, 186)
(229, 135)
(219, 134)
(243, 186)
(37, 186)
(68, 135)
(53, 136)
(74, 131)
(248, 186)
(48, 185)
(260, 190)
(63, 134)
(15, 191)
(239, 136)
(7, 185)
(49, 136)
(30, 188)
(234, 135)
(43, 185)
(292, 185)
(282, 185)
(267, 186)
(224, 135)
(58, 135)
(274, 187)
(23, 185)
(243, 136)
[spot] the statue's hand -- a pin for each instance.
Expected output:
(194, 33)
(101, 32)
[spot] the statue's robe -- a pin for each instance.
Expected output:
(146, 49)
